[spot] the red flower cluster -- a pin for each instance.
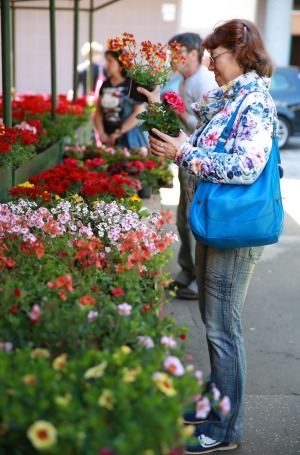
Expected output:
(25, 133)
(88, 253)
(174, 101)
(33, 192)
(28, 105)
(70, 176)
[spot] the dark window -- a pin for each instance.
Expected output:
(296, 5)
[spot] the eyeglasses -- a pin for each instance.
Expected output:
(213, 59)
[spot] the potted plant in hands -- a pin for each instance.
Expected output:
(149, 66)
(163, 116)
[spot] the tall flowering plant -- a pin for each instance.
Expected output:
(149, 65)
(164, 116)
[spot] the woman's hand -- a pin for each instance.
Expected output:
(153, 97)
(166, 146)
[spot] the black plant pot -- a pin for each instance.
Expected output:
(145, 192)
(169, 134)
(135, 95)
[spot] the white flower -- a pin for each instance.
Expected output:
(202, 408)
(168, 341)
(146, 341)
(173, 365)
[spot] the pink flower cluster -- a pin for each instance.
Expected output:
(174, 100)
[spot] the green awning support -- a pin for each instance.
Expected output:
(6, 62)
(75, 48)
(53, 58)
(90, 73)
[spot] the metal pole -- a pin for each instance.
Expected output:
(13, 45)
(6, 62)
(90, 73)
(75, 49)
(53, 57)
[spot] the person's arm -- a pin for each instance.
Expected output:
(248, 146)
(130, 123)
(98, 120)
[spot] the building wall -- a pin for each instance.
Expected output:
(33, 38)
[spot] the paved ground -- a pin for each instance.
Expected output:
(271, 329)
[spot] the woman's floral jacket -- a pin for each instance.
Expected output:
(249, 144)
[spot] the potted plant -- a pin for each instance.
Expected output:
(149, 66)
(163, 116)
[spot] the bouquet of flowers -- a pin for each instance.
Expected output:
(164, 116)
(149, 66)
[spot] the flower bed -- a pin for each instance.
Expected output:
(138, 163)
(87, 361)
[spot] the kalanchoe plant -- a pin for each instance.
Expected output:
(164, 116)
(150, 65)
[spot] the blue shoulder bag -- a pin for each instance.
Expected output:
(235, 216)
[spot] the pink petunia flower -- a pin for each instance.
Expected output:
(124, 309)
(202, 408)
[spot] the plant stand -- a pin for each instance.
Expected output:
(6, 176)
(43, 161)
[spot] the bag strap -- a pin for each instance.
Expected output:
(226, 131)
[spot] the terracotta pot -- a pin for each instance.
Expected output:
(135, 95)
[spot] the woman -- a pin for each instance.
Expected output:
(241, 66)
(115, 118)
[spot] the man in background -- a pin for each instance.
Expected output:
(196, 81)
(83, 69)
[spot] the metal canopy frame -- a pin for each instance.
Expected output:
(8, 26)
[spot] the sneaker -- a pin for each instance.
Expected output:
(189, 418)
(207, 445)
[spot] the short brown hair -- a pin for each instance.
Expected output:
(246, 42)
(191, 41)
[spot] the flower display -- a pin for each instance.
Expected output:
(149, 65)
(164, 116)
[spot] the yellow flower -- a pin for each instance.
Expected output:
(63, 401)
(135, 198)
(29, 379)
(38, 353)
(27, 185)
(42, 434)
(78, 199)
(57, 197)
(125, 349)
(95, 202)
(106, 399)
(133, 207)
(60, 362)
(164, 384)
(96, 372)
(188, 430)
(130, 375)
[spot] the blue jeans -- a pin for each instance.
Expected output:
(223, 277)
